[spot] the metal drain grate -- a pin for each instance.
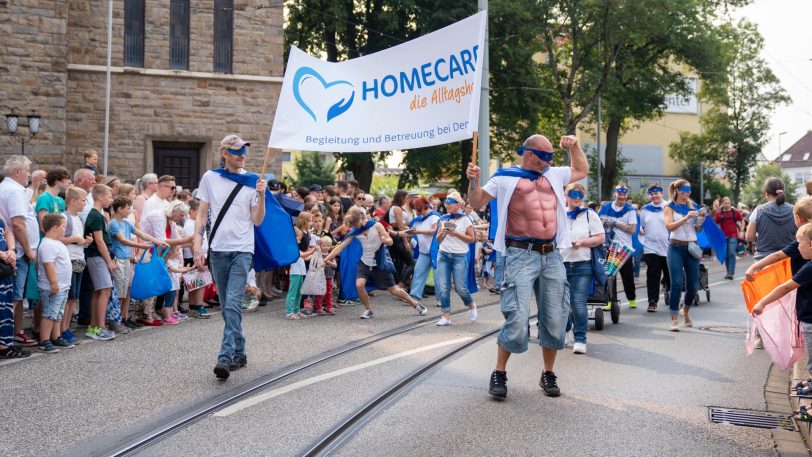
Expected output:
(747, 418)
(724, 329)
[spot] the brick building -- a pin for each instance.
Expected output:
(184, 74)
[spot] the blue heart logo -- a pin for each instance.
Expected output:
(304, 74)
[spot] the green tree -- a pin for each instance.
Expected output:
(312, 169)
(753, 192)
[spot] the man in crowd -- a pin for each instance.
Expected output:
(532, 223)
(344, 194)
(162, 196)
(85, 180)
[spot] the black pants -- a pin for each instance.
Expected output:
(401, 258)
(85, 298)
(627, 275)
(656, 268)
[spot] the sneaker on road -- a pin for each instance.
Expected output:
(171, 321)
(221, 370)
(652, 308)
(105, 335)
(61, 342)
(674, 326)
(632, 304)
(92, 333)
(443, 322)
(548, 383)
(117, 327)
(70, 337)
(48, 348)
(579, 348)
(687, 320)
(421, 310)
(367, 314)
(239, 361)
(22, 339)
(473, 313)
(498, 385)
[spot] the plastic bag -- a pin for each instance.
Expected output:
(151, 279)
(778, 327)
(196, 279)
(315, 283)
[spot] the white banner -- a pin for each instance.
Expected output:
(420, 93)
(685, 104)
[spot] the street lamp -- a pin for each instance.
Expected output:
(13, 124)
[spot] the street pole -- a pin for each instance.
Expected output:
(107, 86)
(600, 153)
(484, 149)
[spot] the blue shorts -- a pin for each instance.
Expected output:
(75, 285)
(19, 280)
(529, 272)
(53, 305)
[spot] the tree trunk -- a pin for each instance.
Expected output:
(610, 158)
(361, 165)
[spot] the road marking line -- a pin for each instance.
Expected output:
(239, 406)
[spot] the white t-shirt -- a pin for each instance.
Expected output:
(370, 242)
(630, 218)
(15, 201)
(236, 230)
(587, 224)
(655, 239)
(52, 251)
(76, 251)
(686, 232)
(154, 224)
(88, 207)
(424, 241)
(154, 203)
(452, 244)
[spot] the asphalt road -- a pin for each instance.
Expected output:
(640, 389)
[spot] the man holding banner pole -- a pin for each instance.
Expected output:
(531, 225)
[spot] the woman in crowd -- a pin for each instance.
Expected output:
(772, 224)
(683, 218)
(399, 217)
(455, 234)
(655, 244)
(423, 227)
(620, 221)
(730, 221)
(371, 236)
(8, 260)
(586, 232)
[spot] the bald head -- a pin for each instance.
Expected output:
(539, 142)
(84, 179)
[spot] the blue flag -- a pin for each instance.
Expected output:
(274, 240)
(471, 257)
(712, 237)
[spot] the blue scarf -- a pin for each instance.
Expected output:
(274, 240)
(519, 172)
(653, 208)
(348, 264)
(471, 257)
(416, 220)
(683, 209)
(608, 210)
(574, 214)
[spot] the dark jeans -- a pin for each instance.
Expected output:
(85, 296)
(682, 266)
(626, 274)
(401, 258)
(656, 268)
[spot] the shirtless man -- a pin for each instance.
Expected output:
(531, 226)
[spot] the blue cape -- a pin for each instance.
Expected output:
(348, 264)
(653, 208)
(274, 240)
(710, 237)
(418, 219)
(607, 210)
(435, 252)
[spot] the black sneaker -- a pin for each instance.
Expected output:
(549, 385)
(498, 387)
(238, 362)
(222, 370)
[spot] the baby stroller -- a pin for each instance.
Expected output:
(703, 285)
(599, 297)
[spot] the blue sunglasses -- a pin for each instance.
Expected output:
(686, 189)
(575, 194)
(622, 190)
(546, 156)
(238, 152)
(654, 190)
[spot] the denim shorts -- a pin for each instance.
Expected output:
(529, 273)
(19, 280)
(99, 273)
(53, 305)
(75, 286)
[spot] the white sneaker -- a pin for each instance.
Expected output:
(421, 310)
(674, 327)
(579, 348)
(443, 322)
(473, 314)
(569, 339)
(367, 314)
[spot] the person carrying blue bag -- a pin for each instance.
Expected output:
(453, 253)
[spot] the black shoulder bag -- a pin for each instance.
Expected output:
(220, 216)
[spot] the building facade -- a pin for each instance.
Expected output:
(184, 73)
(796, 161)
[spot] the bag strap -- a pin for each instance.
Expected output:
(223, 211)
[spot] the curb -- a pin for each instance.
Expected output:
(777, 395)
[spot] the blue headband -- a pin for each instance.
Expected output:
(655, 189)
(575, 194)
(542, 155)
(686, 189)
(238, 152)
(450, 201)
(621, 190)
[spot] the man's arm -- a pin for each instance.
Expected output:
(750, 234)
(578, 164)
(477, 197)
(258, 212)
(20, 231)
(146, 237)
(98, 236)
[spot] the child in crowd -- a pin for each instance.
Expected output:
(122, 231)
(174, 263)
(801, 280)
(53, 280)
(326, 246)
(100, 264)
(76, 241)
(197, 308)
(298, 270)
(91, 160)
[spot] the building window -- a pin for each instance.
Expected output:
(179, 34)
(806, 156)
(223, 34)
(133, 33)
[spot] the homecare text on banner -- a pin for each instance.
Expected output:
(421, 93)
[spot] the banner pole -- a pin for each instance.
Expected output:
(264, 163)
(474, 148)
